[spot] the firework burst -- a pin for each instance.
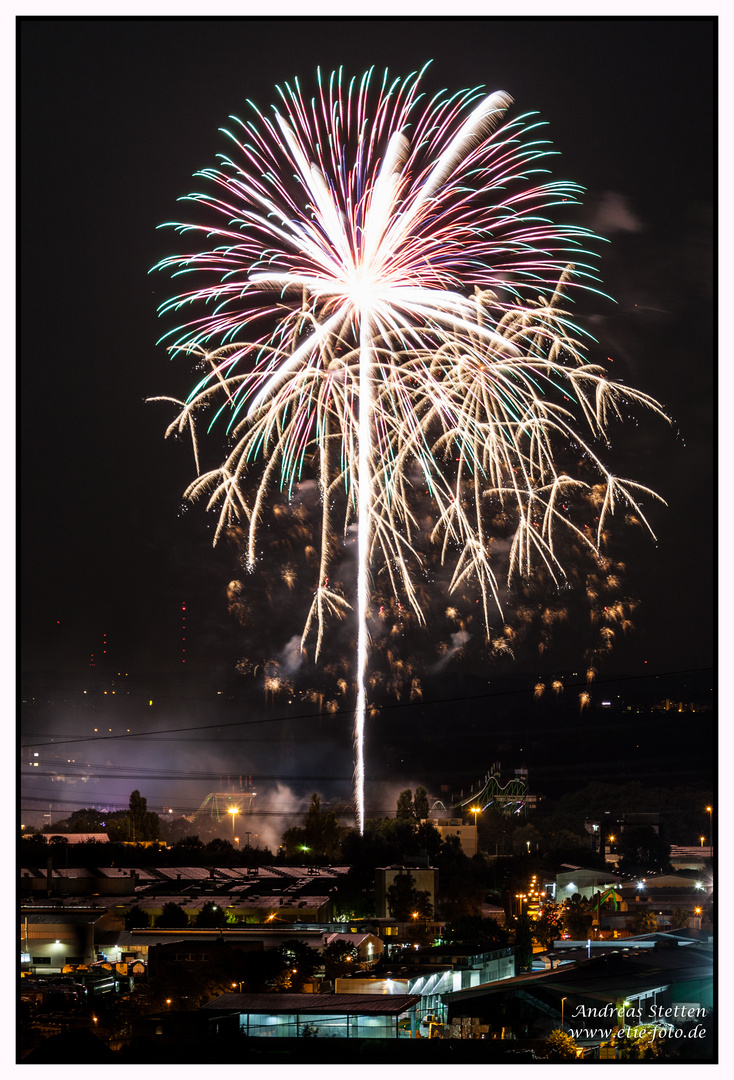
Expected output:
(380, 302)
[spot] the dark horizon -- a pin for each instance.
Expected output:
(445, 743)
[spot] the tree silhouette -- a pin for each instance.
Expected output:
(136, 919)
(172, 915)
(211, 915)
(405, 811)
(142, 823)
(523, 942)
(476, 930)
(404, 900)
(643, 922)
(420, 803)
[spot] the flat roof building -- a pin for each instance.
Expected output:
(289, 1016)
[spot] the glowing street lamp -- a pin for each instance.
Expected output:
(233, 811)
(709, 811)
(475, 810)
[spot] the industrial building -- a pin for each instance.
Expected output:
(289, 1016)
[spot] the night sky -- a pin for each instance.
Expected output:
(114, 118)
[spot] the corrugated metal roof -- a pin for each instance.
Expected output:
(80, 837)
(160, 899)
(264, 901)
(350, 938)
(74, 872)
(61, 917)
(103, 902)
(327, 1004)
(229, 900)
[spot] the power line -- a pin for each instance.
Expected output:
(350, 711)
(129, 772)
(79, 770)
(161, 810)
(698, 777)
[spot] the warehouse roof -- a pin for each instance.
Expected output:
(60, 917)
(79, 837)
(324, 1004)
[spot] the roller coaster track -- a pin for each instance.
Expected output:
(510, 798)
(217, 804)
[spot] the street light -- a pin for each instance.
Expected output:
(475, 810)
(233, 811)
(562, 1001)
(709, 811)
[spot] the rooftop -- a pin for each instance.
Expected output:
(80, 837)
(324, 1004)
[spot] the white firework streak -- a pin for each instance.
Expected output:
(396, 283)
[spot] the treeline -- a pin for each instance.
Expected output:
(137, 824)
(553, 832)
(682, 809)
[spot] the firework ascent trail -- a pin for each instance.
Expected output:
(381, 303)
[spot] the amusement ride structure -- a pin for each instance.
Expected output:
(512, 797)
